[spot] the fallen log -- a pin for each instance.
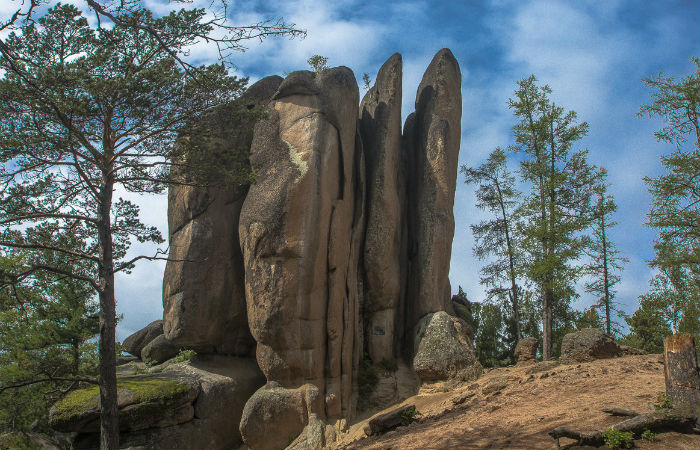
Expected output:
(620, 412)
(655, 421)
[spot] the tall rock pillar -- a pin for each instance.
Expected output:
(380, 127)
(432, 137)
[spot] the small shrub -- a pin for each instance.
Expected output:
(649, 435)
(410, 415)
(618, 439)
(662, 402)
(367, 378)
(184, 355)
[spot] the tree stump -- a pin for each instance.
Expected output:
(682, 375)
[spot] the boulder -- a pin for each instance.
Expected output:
(433, 136)
(137, 341)
(195, 404)
(300, 231)
(588, 344)
(203, 285)
(401, 416)
(273, 407)
(526, 350)
(159, 350)
(443, 348)
(380, 128)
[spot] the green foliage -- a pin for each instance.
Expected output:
(648, 435)
(16, 440)
(618, 439)
(675, 208)
(410, 415)
(554, 214)
(318, 63)
(367, 378)
(662, 402)
(184, 355)
(366, 81)
(498, 239)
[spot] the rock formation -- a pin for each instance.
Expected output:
(335, 259)
(588, 344)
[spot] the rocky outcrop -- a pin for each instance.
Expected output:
(159, 350)
(380, 128)
(197, 404)
(432, 139)
(299, 230)
(137, 341)
(526, 350)
(203, 285)
(588, 344)
(339, 250)
(443, 348)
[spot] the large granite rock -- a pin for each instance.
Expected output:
(137, 341)
(196, 404)
(287, 411)
(433, 136)
(203, 286)
(159, 350)
(526, 350)
(588, 344)
(300, 229)
(443, 348)
(380, 128)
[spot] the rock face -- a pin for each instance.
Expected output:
(203, 286)
(336, 258)
(300, 229)
(137, 341)
(159, 349)
(432, 139)
(380, 128)
(197, 404)
(443, 348)
(588, 344)
(526, 350)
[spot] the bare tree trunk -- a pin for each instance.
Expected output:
(547, 324)
(109, 411)
(681, 374)
(605, 274)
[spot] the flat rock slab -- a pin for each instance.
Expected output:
(395, 418)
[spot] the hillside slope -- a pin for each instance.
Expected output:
(515, 407)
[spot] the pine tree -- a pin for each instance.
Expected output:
(89, 109)
(556, 211)
(497, 237)
(605, 260)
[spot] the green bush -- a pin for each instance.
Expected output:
(410, 415)
(649, 435)
(662, 402)
(618, 439)
(389, 364)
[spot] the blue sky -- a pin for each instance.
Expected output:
(593, 55)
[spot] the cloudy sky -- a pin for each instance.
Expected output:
(593, 54)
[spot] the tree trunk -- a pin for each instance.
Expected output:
(606, 285)
(109, 411)
(547, 324)
(682, 375)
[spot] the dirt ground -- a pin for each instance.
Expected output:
(515, 407)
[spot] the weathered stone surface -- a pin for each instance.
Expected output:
(317, 434)
(588, 344)
(682, 375)
(443, 347)
(435, 133)
(273, 407)
(203, 285)
(137, 341)
(300, 231)
(402, 415)
(380, 128)
(526, 350)
(159, 349)
(392, 387)
(206, 416)
(144, 402)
